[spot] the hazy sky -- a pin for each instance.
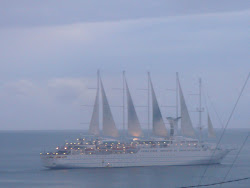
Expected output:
(50, 52)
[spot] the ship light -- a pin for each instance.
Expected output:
(134, 139)
(164, 142)
(78, 148)
(74, 143)
(56, 153)
(71, 148)
(79, 143)
(71, 143)
(77, 139)
(64, 153)
(41, 153)
(57, 147)
(87, 143)
(67, 143)
(65, 147)
(47, 153)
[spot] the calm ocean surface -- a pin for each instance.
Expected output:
(20, 165)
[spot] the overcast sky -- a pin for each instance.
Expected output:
(50, 52)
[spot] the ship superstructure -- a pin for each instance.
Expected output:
(161, 148)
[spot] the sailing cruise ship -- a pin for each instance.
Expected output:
(109, 149)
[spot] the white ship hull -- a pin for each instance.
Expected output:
(144, 157)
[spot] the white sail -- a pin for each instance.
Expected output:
(159, 128)
(109, 128)
(134, 127)
(186, 123)
(211, 133)
(94, 123)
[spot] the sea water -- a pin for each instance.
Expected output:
(20, 165)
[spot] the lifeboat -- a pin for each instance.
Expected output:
(117, 149)
(89, 149)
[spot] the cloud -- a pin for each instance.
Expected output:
(69, 90)
(20, 88)
(166, 37)
(45, 71)
(36, 13)
(51, 104)
(56, 103)
(65, 90)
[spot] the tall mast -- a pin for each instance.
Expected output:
(177, 105)
(123, 105)
(148, 102)
(177, 97)
(98, 88)
(186, 123)
(95, 118)
(133, 123)
(200, 110)
(98, 78)
(109, 126)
